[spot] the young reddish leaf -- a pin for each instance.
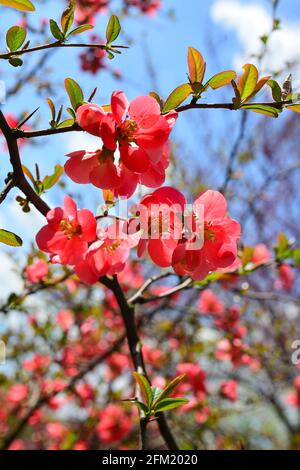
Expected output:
(80, 29)
(51, 180)
(170, 404)
(56, 32)
(145, 388)
(113, 29)
(22, 5)
(52, 108)
(196, 65)
(169, 388)
(247, 255)
(15, 37)
(177, 97)
(28, 173)
(75, 93)
(262, 109)
(67, 17)
(10, 238)
(221, 79)
(276, 89)
(247, 82)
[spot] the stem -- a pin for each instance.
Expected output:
(19, 180)
(128, 316)
(52, 45)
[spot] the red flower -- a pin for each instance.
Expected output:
(210, 303)
(108, 255)
(286, 277)
(160, 224)
(195, 376)
(229, 389)
(261, 254)
(17, 393)
(114, 424)
(213, 244)
(65, 319)
(37, 271)
(68, 233)
(142, 137)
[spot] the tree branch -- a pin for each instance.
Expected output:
(18, 179)
(128, 316)
(56, 44)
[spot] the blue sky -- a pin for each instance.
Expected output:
(223, 30)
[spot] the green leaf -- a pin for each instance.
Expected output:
(51, 180)
(221, 79)
(145, 388)
(75, 93)
(276, 89)
(113, 29)
(22, 5)
(262, 109)
(66, 123)
(67, 17)
(169, 388)
(177, 97)
(55, 30)
(170, 404)
(196, 64)
(296, 256)
(247, 82)
(80, 29)
(15, 61)
(10, 238)
(259, 85)
(15, 37)
(140, 405)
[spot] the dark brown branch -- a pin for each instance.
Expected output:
(43, 47)
(18, 179)
(128, 316)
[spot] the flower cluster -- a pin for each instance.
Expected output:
(140, 134)
(195, 244)
(205, 242)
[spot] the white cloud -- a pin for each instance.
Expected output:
(250, 21)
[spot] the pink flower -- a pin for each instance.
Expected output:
(160, 224)
(141, 133)
(286, 277)
(213, 244)
(114, 424)
(293, 398)
(261, 254)
(108, 255)
(17, 393)
(229, 389)
(37, 271)
(68, 232)
(210, 303)
(195, 376)
(65, 319)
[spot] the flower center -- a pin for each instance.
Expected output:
(209, 234)
(126, 130)
(110, 249)
(70, 228)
